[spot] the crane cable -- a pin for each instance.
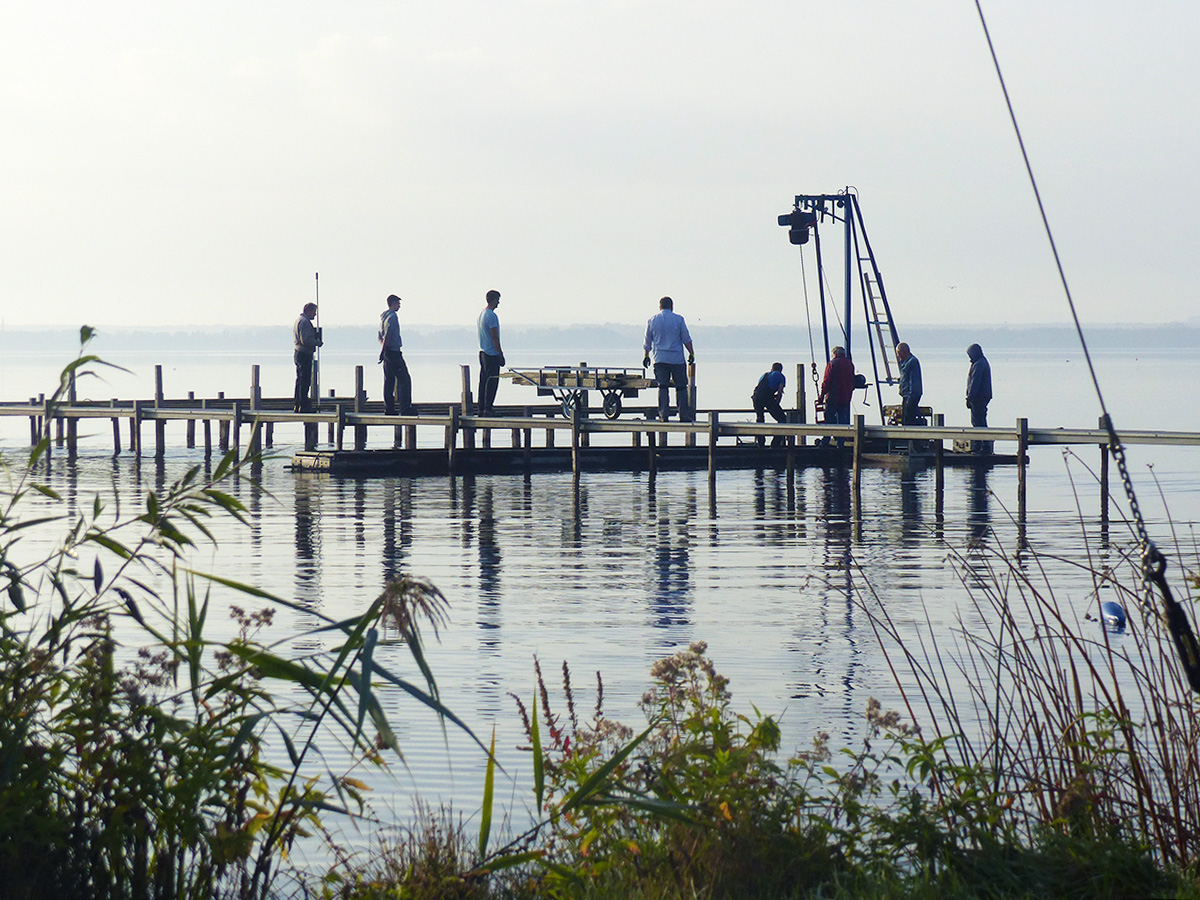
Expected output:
(812, 350)
(1154, 563)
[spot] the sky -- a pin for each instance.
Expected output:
(183, 164)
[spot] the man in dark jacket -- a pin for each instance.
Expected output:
(837, 390)
(306, 338)
(911, 387)
(979, 393)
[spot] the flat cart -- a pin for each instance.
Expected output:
(567, 385)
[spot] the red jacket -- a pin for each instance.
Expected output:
(838, 383)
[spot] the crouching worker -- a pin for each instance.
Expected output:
(766, 398)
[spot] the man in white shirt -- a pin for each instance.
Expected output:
(397, 383)
(666, 337)
(491, 357)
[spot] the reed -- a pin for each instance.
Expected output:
(133, 744)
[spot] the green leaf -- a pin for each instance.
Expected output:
(539, 764)
(365, 693)
(485, 816)
(109, 543)
(597, 778)
(506, 862)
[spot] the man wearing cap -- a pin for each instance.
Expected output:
(306, 338)
(667, 336)
(911, 387)
(397, 384)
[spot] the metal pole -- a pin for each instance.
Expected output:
(849, 235)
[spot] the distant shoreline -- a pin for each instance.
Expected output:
(602, 336)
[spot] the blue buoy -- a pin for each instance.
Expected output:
(1113, 615)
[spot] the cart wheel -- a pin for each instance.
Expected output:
(612, 406)
(568, 405)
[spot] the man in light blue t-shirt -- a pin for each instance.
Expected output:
(667, 336)
(491, 357)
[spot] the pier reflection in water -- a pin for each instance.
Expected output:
(615, 571)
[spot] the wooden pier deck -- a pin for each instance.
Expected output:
(538, 438)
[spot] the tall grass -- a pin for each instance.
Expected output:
(133, 757)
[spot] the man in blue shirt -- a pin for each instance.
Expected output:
(491, 357)
(910, 384)
(397, 384)
(667, 336)
(767, 394)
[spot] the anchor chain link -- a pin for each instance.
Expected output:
(1154, 572)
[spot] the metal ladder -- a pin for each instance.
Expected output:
(882, 323)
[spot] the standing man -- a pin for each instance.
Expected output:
(397, 384)
(667, 336)
(766, 398)
(979, 393)
(837, 390)
(307, 338)
(491, 357)
(910, 384)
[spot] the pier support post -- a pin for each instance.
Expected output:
(690, 439)
(452, 438)
(801, 401)
(116, 427)
(576, 421)
(791, 476)
(332, 425)
(1104, 475)
(859, 433)
(410, 437)
(72, 423)
(191, 423)
(207, 431)
(1022, 447)
(255, 444)
(236, 439)
(360, 400)
(527, 438)
(713, 430)
(135, 428)
(222, 429)
(160, 425)
(652, 445)
(939, 490)
(467, 407)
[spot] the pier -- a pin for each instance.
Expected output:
(447, 439)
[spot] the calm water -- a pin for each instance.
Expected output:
(627, 569)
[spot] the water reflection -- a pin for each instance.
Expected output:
(307, 540)
(671, 586)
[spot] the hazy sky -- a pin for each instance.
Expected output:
(188, 163)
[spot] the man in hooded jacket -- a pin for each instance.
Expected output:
(979, 392)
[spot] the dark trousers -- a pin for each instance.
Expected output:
(304, 370)
(911, 410)
(979, 420)
(489, 381)
(668, 374)
(835, 414)
(764, 405)
(397, 385)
